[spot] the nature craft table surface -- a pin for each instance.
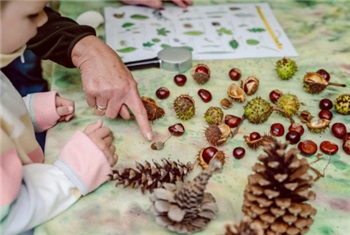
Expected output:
(320, 33)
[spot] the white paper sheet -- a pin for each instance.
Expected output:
(214, 32)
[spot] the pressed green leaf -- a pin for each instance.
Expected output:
(252, 42)
(256, 30)
(233, 44)
(194, 33)
(127, 24)
(127, 49)
(139, 17)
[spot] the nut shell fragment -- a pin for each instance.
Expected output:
(236, 93)
(250, 85)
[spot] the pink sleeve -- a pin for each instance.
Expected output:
(42, 110)
(84, 163)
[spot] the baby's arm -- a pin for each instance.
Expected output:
(35, 193)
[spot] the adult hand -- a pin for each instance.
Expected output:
(157, 3)
(108, 84)
(103, 139)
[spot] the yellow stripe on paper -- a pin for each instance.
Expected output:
(272, 34)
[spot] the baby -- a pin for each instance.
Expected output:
(33, 192)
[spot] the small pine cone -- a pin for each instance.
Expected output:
(245, 227)
(149, 177)
(277, 193)
(186, 208)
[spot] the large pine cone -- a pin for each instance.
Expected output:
(276, 194)
(149, 177)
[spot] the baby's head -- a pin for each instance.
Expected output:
(19, 20)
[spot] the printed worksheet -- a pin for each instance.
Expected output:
(225, 31)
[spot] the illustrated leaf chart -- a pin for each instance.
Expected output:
(222, 31)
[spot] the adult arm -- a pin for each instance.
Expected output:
(107, 82)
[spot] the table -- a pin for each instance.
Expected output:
(320, 32)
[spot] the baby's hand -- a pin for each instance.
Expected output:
(103, 138)
(64, 108)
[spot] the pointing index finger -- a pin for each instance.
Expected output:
(139, 111)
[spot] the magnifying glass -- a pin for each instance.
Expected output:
(175, 59)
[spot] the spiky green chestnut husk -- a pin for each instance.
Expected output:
(342, 104)
(213, 115)
(184, 107)
(289, 103)
(257, 110)
(286, 68)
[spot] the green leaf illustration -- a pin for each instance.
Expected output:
(127, 24)
(252, 42)
(194, 33)
(163, 31)
(155, 40)
(164, 45)
(147, 44)
(256, 30)
(127, 49)
(223, 30)
(244, 15)
(233, 44)
(139, 17)
(188, 48)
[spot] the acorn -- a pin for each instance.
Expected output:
(217, 134)
(286, 68)
(318, 126)
(236, 93)
(184, 106)
(205, 155)
(314, 83)
(250, 85)
(342, 104)
(289, 102)
(201, 74)
(213, 115)
(154, 111)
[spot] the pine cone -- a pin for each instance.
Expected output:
(150, 177)
(245, 227)
(186, 208)
(276, 194)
